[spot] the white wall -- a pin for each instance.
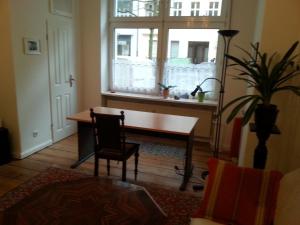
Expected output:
(243, 18)
(90, 45)
(31, 74)
(26, 89)
(8, 101)
(284, 149)
(104, 49)
(278, 29)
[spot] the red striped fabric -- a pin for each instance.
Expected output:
(236, 195)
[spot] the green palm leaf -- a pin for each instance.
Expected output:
(294, 89)
(250, 111)
(236, 109)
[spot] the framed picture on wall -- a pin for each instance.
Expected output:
(32, 46)
(61, 7)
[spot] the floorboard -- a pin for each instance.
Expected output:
(152, 168)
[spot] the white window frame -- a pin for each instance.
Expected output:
(163, 22)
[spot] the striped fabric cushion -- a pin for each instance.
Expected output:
(237, 195)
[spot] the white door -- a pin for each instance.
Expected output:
(62, 76)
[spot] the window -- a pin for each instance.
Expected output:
(191, 60)
(177, 45)
(134, 65)
(125, 8)
(136, 8)
(195, 8)
(177, 7)
(213, 9)
(149, 9)
(174, 49)
(124, 45)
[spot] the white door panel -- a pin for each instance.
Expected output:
(61, 70)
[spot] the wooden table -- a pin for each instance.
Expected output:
(156, 124)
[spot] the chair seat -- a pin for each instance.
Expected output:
(117, 154)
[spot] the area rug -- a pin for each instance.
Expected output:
(177, 205)
(159, 149)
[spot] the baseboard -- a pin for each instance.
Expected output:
(30, 151)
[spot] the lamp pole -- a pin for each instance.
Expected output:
(227, 36)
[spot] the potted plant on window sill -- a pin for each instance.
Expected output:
(199, 90)
(166, 89)
(267, 78)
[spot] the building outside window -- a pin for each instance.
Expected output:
(125, 8)
(148, 48)
(149, 9)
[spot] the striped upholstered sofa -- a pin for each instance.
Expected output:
(244, 196)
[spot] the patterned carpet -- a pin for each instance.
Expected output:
(155, 148)
(177, 205)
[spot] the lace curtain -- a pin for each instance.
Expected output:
(134, 76)
(186, 77)
(140, 77)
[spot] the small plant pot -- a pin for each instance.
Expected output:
(165, 93)
(201, 96)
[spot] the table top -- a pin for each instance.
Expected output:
(157, 122)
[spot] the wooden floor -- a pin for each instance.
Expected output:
(152, 168)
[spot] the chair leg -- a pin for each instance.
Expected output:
(124, 170)
(108, 167)
(136, 157)
(96, 166)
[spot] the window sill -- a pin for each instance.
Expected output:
(160, 99)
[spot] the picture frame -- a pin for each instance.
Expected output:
(61, 7)
(32, 46)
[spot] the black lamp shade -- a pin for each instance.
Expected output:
(228, 33)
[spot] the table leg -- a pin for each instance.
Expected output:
(85, 143)
(188, 168)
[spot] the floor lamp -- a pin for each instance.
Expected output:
(227, 36)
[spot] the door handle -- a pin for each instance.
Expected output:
(71, 80)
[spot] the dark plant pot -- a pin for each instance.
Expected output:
(265, 118)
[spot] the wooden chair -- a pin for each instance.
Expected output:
(109, 142)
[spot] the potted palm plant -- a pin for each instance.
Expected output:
(268, 78)
(166, 89)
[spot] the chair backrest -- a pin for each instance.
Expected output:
(108, 130)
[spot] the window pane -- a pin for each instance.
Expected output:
(195, 7)
(191, 59)
(134, 64)
(136, 8)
